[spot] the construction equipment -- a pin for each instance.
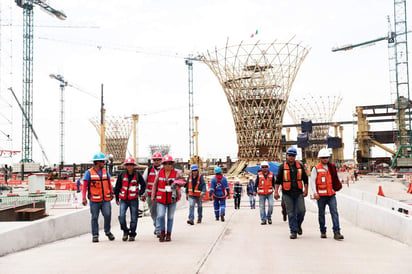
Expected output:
(27, 101)
(399, 77)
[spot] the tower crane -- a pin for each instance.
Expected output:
(399, 75)
(27, 101)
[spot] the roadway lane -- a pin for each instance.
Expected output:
(239, 245)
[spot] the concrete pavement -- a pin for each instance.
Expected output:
(238, 245)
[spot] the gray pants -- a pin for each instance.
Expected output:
(153, 212)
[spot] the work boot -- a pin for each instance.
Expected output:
(300, 230)
(217, 218)
(131, 238)
(168, 237)
(222, 218)
(270, 221)
(284, 217)
(110, 236)
(337, 236)
(162, 236)
(95, 239)
(263, 222)
(190, 222)
(199, 221)
(323, 235)
(293, 236)
(125, 236)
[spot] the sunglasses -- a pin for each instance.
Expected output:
(264, 167)
(157, 160)
(168, 163)
(290, 155)
(324, 157)
(100, 161)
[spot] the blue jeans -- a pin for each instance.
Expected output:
(192, 201)
(262, 205)
(333, 209)
(220, 207)
(153, 212)
(161, 214)
(134, 206)
(295, 208)
(106, 209)
(252, 200)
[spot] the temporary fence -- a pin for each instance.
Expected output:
(53, 201)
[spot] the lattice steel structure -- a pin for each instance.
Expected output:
(257, 79)
(118, 130)
(163, 149)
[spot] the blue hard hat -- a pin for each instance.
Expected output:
(99, 157)
(194, 167)
(218, 170)
(292, 151)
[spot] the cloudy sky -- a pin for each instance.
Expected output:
(137, 49)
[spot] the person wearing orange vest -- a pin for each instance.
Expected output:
(264, 184)
(294, 180)
(129, 187)
(322, 187)
(149, 175)
(195, 190)
(166, 192)
(96, 182)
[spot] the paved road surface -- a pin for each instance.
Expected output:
(239, 245)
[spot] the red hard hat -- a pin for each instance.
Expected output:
(157, 155)
(167, 158)
(130, 161)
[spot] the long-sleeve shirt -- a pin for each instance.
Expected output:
(295, 190)
(119, 183)
(266, 175)
(218, 189)
(250, 187)
(178, 181)
(237, 190)
(195, 181)
(86, 181)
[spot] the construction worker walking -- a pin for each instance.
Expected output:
(264, 185)
(195, 190)
(219, 191)
(321, 182)
(250, 189)
(96, 182)
(294, 181)
(130, 185)
(149, 175)
(237, 193)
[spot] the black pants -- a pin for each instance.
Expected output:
(237, 201)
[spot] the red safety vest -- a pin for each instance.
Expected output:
(164, 191)
(287, 184)
(197, 191)
(99, 188)
(151, 176)
(323, 181)
(129, 190)
(265, 184)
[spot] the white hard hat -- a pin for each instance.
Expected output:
(264, 163)
(324, 152)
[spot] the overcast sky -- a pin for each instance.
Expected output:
(136, 49)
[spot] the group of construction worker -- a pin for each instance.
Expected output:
(160, 187)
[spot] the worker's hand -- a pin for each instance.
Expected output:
(143, 198)
(276, 196)
(117, 202)
(254, 193)
(187, 197)
(153, 199)
(316, 196)
(84, 202)
(210, 198)
(111, 196)
(305, 192)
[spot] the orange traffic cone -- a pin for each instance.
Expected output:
(380, 192)
(410, 188)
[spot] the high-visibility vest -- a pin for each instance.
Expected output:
(265, 184)
(99, 187)
(129, 190)
(323, 181)
(287, 184)
(164, 191)
(151, 176)
(196, 192)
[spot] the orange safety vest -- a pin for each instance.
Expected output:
(265, 184)
(323, 181)
(151, 176)
(164, 191)
(197, 192)
(287, 184)
(130, 189)
(99, 188)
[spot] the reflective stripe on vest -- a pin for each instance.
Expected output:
(265, 184)
(324, 185)
(150, 180)
(287, 184)
(197, 192)
(164, 191)
(99, 188)
(130, 190)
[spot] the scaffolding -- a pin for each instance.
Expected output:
(257, 79)
(118, 130)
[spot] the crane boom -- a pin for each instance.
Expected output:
(351, 46)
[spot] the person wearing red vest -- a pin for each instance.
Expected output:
(149, 175)
(96, 182)
(321, 184)
(264, 184)
(129, 187)
(294, 181)
(166, 192)
(195, 190)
